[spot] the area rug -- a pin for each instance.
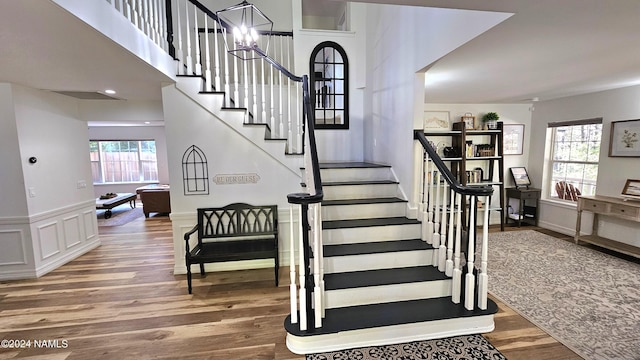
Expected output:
(467, 347)
(120, 215)
(585, 299)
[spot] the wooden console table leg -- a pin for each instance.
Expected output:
(578, 225)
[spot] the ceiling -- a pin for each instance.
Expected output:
(548, 49)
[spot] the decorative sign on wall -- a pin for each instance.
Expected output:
(236, 179)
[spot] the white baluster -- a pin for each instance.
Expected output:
(227, 81)
(427, 215)
(161, 26)
(271, 94)
(263, 115)
(456, 284)
(470, 279)
(216, 57)
(483, 278)
(436, 211)
(207, 56)
(300, 115)
(292, 268)
(255, 93)
(134, 15)
(289, 125)
(441, 257)
(140, 17)
(196, 38)
(179, 52)
(120, 7)
(245, 80)
(189, 59)
(449, 263)
(236, 79)
(280, 110)
(127, 11)
(147, 17)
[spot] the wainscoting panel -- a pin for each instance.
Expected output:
(90, 225)
(12, 245)
(72, 231)
(48, 240)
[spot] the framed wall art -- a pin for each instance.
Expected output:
(469, 121)
(631, 189)
(513, 139)
(436, 121)
(625, 138)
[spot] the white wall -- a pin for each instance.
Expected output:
(156, 133)
(11, 178)
(396, 51)
(60, 221)
(227, 152)
(337, 145)
(612, 105)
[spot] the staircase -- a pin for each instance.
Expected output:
(380, 284)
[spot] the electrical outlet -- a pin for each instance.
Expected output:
(81, 184)
(32, 192)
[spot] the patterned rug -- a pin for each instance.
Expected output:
(586, 299)
(468, 347)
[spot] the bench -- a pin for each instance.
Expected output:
(110, 203)
(235, 232)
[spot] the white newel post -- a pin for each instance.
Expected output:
(317, 259)
(301, 274)
(292, 267)
(456, 284)
(483, 283)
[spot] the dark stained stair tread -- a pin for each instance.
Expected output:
(350, 165)
(340, 224)
(385, 200)
(359, 182)
(375, 247)
(388, 314)
(380, 277)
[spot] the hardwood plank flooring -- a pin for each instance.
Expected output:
(122, 301)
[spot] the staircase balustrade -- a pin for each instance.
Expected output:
(439, 199)
(150, 16)
(267, 96)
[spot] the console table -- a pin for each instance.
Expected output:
(607, 206)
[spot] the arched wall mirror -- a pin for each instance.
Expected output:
(330, 85)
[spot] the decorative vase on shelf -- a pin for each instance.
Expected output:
(491, 120)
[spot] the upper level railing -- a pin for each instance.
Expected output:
(444, 226)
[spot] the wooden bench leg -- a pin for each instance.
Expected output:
(188, 275)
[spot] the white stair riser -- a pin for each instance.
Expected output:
(388, 335)
(363, 211)
(387, 293)
(354, 174)
(362, 262)
(370, 234)
(340, 192)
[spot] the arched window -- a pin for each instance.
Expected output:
(330, 85)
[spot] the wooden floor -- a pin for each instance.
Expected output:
(122, 301)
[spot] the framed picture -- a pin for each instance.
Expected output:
(513, 139)
(625, 139)
(520, 176)
(436, 120)
(632, 188)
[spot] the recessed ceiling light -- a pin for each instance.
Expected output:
(147, 122)
(110, 92)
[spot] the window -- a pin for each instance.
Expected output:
(575, 152)
(330, 86)
(123, 161)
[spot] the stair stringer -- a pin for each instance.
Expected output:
(235, 120)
